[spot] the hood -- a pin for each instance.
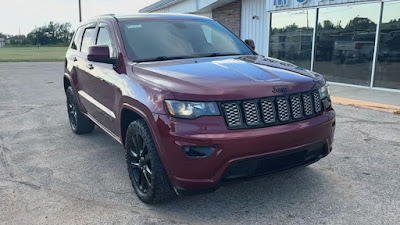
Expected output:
(228, 78)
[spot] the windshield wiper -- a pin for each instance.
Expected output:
(219, 54)
(164, 58)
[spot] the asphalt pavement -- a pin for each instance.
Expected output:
(48, 175)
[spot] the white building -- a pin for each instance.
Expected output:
(349, 41)
(2, 42)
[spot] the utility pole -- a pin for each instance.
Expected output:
(37, 37)
(80, 12)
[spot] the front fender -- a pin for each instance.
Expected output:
(148, 117)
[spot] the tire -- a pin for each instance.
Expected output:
(78, 122)
(146, 171)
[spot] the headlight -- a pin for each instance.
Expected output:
(324, 91)
(192, 110)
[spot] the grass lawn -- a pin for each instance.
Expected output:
(32, 54)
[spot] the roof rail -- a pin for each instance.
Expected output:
(105, 15)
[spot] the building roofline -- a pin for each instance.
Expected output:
(159, 5)
(141, 16)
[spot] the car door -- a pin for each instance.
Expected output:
(102, 91)
(84, 80)
(74, 50)
(72, 56)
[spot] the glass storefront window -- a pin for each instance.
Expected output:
(291, 36)
(387, 73)
(345, 43)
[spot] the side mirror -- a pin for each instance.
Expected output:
(100, 53)
(250, 43)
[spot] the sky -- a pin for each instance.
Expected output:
(22, 15)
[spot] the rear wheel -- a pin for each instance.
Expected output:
(148, 176)
(79, 123)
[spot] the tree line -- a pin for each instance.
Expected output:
(51, 34)
(357, 23)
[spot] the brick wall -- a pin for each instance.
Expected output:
(229, 15)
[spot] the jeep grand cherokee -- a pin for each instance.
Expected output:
(192, 104)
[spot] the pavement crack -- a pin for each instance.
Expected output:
(119, 192)
(25, 183)
(29, 108)
(4, 159)
(357, 120)
(369, 138)
(34, 186)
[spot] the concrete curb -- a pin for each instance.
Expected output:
(368, 105)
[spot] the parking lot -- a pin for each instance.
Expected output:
(50, 175)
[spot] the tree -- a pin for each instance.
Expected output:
(328, 25)
(18, 40)
(360, 23)
(53, 33)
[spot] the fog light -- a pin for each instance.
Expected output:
(198, 151)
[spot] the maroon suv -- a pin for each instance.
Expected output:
(192, 104)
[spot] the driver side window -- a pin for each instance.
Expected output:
(104, 38)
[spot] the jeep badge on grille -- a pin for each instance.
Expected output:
(279, 90)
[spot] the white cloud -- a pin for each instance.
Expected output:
(25, 14)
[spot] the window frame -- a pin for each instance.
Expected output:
(88, 26)
(112, 38)
(79, 41)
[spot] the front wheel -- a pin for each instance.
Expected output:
(78, 122)
(146, 171)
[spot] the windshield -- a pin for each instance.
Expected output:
(158, 40)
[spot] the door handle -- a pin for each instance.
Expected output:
(90, 66)
(74, 59)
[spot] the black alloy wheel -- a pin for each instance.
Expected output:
(80, 124)
(72, 110)
(140, 163)
(146, 171)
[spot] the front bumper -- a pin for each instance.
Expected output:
(238, 153)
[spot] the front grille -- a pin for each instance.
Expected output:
(283, 109)
(232, 115)
(296, 106)
(272, 111)
(268, 111)
(317, 101)
(308, 108)
(251, 113)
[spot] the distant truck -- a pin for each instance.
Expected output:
(325, 46)
(360, 48)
